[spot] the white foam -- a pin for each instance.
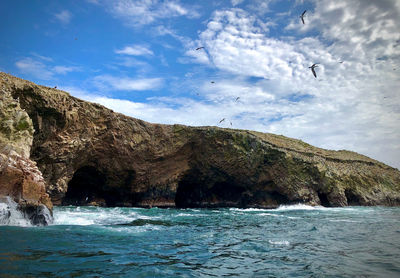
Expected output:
(247, 209)
(10, 215)
(279, 242)
(298, 207)
(93, 216)
(268, 214)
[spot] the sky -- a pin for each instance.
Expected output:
(139, 58)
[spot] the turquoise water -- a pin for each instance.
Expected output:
(292, 241)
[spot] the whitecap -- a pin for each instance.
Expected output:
(298, 207)
(279, 242)
(247, 209)
(10, 215)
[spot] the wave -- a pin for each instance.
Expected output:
(84, 216)
(10, 215)
(279, 242)
(298, 207)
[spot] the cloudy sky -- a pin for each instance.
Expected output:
(139, 57)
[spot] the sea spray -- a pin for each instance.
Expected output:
(14, 214)
(10, 214)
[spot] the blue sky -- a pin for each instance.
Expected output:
(139, 58)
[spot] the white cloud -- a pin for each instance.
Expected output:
(65, 69)
(135, 50)
(41, 69)
(34, 68)
(236, 2)
(109, 82)
(64, 16)
(142, 12)
(347, 106)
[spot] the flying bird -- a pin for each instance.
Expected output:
(302, 16)
(237, 98)
(222, 120)
(212, 82)
(313, 69)
(201, 47)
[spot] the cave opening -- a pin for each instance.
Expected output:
(195, 191)
(352, 199)
(279, 198)
(86, 186)
(323, 199)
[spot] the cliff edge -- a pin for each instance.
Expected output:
(22, 188)
(89, 154)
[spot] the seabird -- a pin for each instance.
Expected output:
(237, 98)
(313, 70)
(201, 47)
(222, 120)
(212, 82)
(302, 16)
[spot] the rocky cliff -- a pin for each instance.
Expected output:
(22, 187)
(89, 154)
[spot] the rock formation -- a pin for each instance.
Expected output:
(89, 154)
(22, 187)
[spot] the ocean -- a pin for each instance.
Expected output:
(291, 241)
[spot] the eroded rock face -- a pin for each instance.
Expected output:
(90, 155)
(21, 182)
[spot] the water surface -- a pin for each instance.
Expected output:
(292, 241)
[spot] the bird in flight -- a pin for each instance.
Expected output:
(313, 69)
(222, 120)
(237, 98)
(302, 16)
(201, 47)
(212, 82)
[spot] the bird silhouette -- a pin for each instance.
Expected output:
(55, 87)
(212, 82)
(313, 69)
(222, 120)
(201, 47)
(237, 98)
(302, 16)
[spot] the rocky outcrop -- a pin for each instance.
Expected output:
(91, 155)
(22, 187)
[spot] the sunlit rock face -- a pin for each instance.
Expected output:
(90, 155)
(21, 182)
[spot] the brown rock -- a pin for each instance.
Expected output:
(20, 179)
(87, 152)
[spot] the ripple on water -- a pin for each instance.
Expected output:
(296, 241)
